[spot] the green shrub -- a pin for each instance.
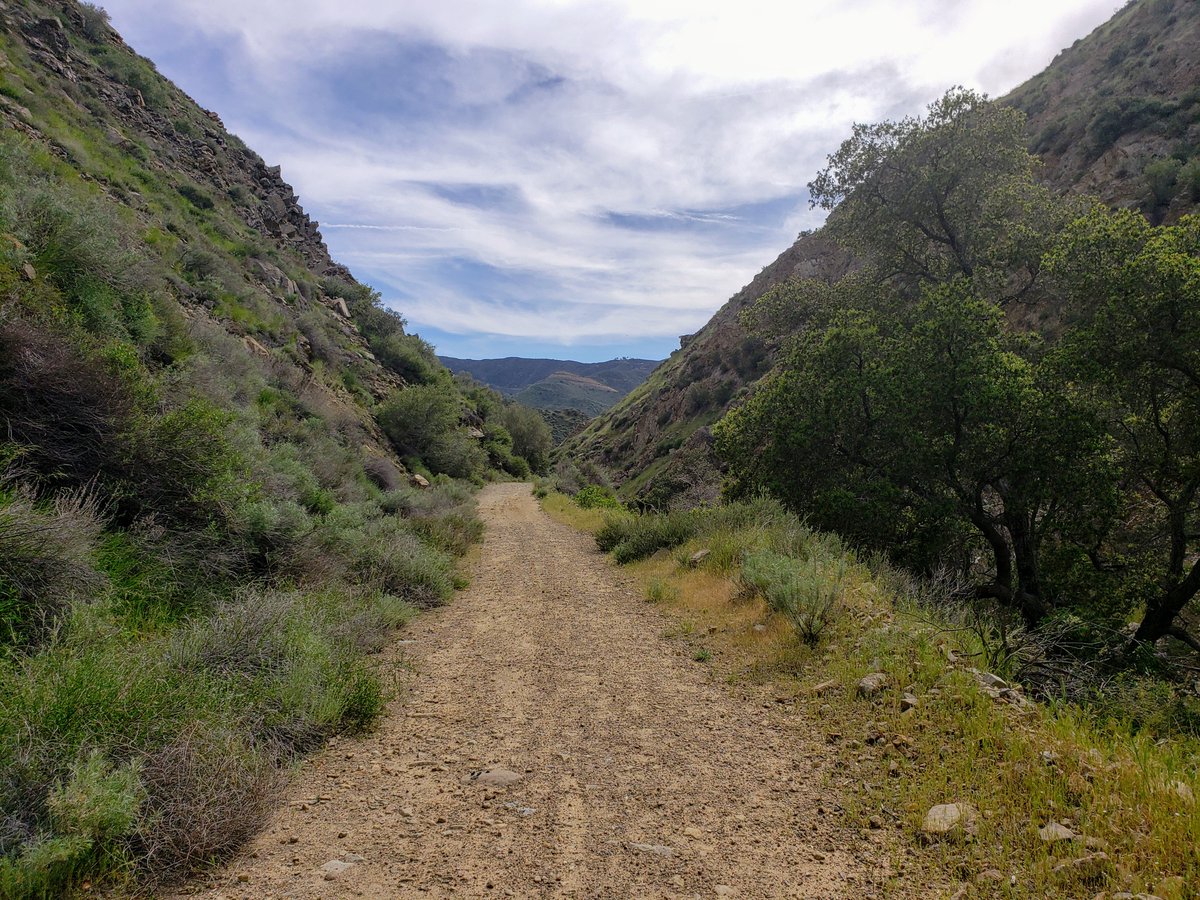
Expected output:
(807, 591)
(46, 563)
(651, 533)
(419, 417)
(595, 496)
(1161, 177)
(660, 591)
(614, 531)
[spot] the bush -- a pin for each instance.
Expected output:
(46, 563)
(418, 418)
(807, 591)
(1161, 177)
(595, 496)
(531, 437)
(410, 357)
(652, 533)
(208, 791)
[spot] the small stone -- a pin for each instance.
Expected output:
(354, 858)
(819, 689)
(874, 823)
(760, 628)
(693, 832)
(1089, 868)
(28, 271)
(417, 480)
(496, 777)
(678, 882)
(988, 680)
(988, 876)
(334, 868)
(698, 557)
(243, 877)
(724, 890)
(1054, 832)
(949, 817)
(908, 701)
(656, 849)
(872, 684)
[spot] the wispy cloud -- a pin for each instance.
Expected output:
(592, 174)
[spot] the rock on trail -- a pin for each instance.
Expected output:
(551, 744)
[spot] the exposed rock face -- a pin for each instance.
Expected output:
(210, 156)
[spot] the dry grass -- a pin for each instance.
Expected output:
(1021, 767)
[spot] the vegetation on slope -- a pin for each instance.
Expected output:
(905, 414)
(206, 528)
(1132, 82)
(762, 597)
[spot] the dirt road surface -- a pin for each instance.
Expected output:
(640, 774)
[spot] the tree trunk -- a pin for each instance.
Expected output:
(1162, 611)
(1030, 600)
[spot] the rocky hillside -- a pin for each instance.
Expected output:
(1117, 115)
(227, 473)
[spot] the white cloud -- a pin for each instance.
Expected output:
(681, 114)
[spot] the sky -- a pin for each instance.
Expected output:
(578, 179)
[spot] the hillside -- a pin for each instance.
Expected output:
(1117, 115)
(512, 374)
(227, 472)
(564, 390)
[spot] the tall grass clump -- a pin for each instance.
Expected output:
(807, 591)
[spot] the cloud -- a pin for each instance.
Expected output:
(598, 172)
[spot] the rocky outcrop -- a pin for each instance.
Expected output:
(164, 129)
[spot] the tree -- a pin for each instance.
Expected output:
(913, 428)
(531, 437)
(1136, 291)
(415, 418)
(945, 196)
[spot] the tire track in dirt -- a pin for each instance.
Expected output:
(641, 776)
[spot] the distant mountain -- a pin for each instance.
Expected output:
(558, 383)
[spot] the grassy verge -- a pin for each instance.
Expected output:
(139, 741)
(771, 601)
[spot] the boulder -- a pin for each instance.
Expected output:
(698, 557)
(419, 481)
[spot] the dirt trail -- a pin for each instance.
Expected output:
(641, 776)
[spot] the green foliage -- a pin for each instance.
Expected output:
(1137, 352)
(531, 438)
(417, 418)
(1161, 177)
(596, 496)
(806, 591)
(1189, 179)
(162, 481)
(948, 195)
(410, 357)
